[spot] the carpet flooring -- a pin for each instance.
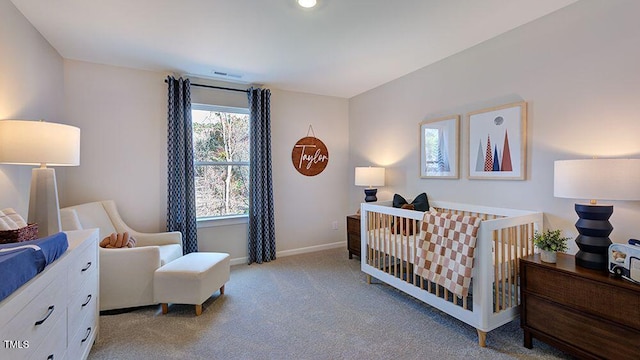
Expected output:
(309, 306)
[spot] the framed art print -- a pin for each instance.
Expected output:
(497, 142)
(439, 148)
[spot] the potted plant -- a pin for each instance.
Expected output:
(550, 242)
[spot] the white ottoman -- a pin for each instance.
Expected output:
(191, 279)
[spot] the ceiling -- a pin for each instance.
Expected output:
(340, 48)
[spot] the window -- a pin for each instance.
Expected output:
(221, 158)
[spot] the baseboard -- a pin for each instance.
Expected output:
(304, 250)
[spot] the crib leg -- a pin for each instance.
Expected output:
(482, 338)
(368, 279)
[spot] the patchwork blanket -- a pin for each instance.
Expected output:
(446, 249)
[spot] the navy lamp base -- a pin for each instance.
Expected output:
(594, 228)
(370, 195)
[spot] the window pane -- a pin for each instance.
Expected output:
(221, 190)
(220, 136)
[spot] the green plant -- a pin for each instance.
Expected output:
(550, 240)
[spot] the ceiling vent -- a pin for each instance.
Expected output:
(225, 74)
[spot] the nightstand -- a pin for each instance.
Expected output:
(584, 312)
(353, 235)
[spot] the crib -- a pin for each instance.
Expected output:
(504, 236)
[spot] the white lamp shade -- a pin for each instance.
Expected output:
(597, 179)
(369, 176)
(38, 142)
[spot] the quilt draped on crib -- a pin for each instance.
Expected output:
(445, 250)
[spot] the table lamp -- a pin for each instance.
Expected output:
(25, 142)
(370, 176)
(595, 179)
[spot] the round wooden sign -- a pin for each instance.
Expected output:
(310, 156)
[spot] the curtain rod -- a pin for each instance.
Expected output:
(217, 87)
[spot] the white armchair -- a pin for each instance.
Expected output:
(126, 275)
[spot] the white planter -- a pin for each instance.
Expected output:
(548, 256)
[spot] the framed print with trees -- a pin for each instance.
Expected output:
(497, 142)
(439, 148)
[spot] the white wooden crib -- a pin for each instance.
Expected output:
(504, 236)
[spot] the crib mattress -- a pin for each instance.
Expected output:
(20, 262)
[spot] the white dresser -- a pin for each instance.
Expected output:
(55, 315)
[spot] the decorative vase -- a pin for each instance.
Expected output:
(548, 256)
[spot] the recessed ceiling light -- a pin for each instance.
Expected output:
(307, 3)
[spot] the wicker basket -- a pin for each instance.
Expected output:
(29, 232)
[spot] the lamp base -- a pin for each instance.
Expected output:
(370, 195)
(594, 228)
(44, 209)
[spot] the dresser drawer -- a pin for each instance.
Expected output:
(54, 345)
(586, 295)
(80, 342)
(82, 303)
(83, 267)
(38, 316)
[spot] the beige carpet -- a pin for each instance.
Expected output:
(311, 306)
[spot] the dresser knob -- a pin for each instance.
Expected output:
(86, 302)
(49, 312)
(87, 267)
(86, 337)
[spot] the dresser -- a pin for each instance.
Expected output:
(353, 235)
(55, 315)
(584, 312)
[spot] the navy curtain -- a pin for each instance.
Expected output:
(262, 234)
(181, 193)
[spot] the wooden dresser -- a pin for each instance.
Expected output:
(353, 235)
(55, 314)
(584, 312)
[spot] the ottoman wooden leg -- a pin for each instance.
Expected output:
(165, 308)
(222, 290)
(198, 310)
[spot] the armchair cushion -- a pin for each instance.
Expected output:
(168, 253)
(93, 215)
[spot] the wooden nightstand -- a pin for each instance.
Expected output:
(353, 235)
(584, 312)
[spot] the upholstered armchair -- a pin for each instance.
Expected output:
(126, 274)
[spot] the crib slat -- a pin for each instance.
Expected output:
(370, 241)
(503, 267)
(496, 249)
(511, 270)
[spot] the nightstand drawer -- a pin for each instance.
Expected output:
(585, 295)
(353, 235)
(596, 336)
(353, 225)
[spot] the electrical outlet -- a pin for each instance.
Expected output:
(334, 225)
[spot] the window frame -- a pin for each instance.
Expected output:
(222, 220)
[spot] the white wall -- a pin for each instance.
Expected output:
(578, 71)
(31, 87)
(122, 114)
(306, 206)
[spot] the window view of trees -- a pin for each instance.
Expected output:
(221, 156)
